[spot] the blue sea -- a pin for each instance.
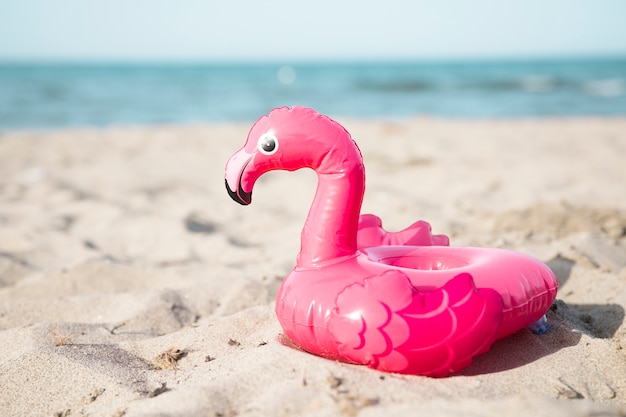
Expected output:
(44, 96)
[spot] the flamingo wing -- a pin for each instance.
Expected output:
(388, 324)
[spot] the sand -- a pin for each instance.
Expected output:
(131, 285)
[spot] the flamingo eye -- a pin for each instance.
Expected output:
(268, 144)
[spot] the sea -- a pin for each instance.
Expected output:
(62, 95)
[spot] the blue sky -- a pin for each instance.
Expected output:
(172, 30)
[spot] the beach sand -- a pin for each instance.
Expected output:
(131, 284)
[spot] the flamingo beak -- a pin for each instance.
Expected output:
(234, 177)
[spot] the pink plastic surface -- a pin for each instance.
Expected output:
(400, 302)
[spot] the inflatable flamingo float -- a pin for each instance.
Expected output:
(400, 302)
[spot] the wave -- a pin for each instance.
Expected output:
(612, 87)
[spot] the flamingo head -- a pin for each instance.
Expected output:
(288, 139)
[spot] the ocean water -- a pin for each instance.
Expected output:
(63, 95)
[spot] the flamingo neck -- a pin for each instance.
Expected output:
(330, 229)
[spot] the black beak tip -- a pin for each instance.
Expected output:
(240, 197)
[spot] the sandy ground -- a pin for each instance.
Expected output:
(131, 285)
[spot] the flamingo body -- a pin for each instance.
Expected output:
(400, 302)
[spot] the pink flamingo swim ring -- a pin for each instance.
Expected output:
(400, 302)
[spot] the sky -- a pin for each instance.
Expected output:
(269, 30)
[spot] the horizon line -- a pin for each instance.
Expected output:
(8, 60)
